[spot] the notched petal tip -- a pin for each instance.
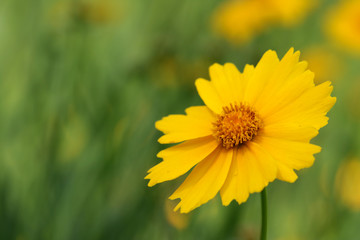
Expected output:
(214, 66)
(179, 206)
(317, 149)
(151, 183)
(159, 124)
(227, 202)
(229, 64)
(200, 81)
(164, 140)
(270, 53)
(293, 179)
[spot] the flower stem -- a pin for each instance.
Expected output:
(263, 215)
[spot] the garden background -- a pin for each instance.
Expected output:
(83, 82)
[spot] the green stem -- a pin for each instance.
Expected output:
(263, 215)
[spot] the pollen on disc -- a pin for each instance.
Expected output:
(237, 124)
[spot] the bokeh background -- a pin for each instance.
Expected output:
(83, 82)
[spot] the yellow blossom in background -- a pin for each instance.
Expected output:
(240, 20)
(177, 220)
(256, 126)
(342, 25)
(324, 63)
(348, 183)
(289, 12)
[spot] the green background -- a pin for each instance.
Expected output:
(80, 90)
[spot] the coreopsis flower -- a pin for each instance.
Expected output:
(289, 13)
(348, 183)
(342, 25)
(240, 20)
(255, 127)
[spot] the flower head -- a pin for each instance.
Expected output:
(240, 20)
(289, 13)
(343, 25)
(256, 126)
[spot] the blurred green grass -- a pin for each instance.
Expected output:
(81, 85)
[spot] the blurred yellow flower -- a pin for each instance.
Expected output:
(256, 127)
(348, 183)
(177, 220)
(240, 20)
(289, 13)
(343, 25)
(324, 63)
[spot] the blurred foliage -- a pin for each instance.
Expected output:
(81, 85)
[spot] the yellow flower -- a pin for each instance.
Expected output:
(289, 13)
(324, 63)
(343, 25)
(348, 183)
(256, 127)
(239, 21)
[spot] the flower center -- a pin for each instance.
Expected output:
(237, 124)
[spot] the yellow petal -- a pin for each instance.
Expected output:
(261, 75)
(248, 72)
(204, 181)
(226, 87)
(209, 95)
(292, 154)
(245, 78)
(177, 128)
(236, 184)
(252, 169)
(237, 80)
(200, 112)
(290, 90)
(260, 164)
(307, 110)
(285, 173)
(288, 68)
(226, 80)
(289, 131)
(179, 159)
